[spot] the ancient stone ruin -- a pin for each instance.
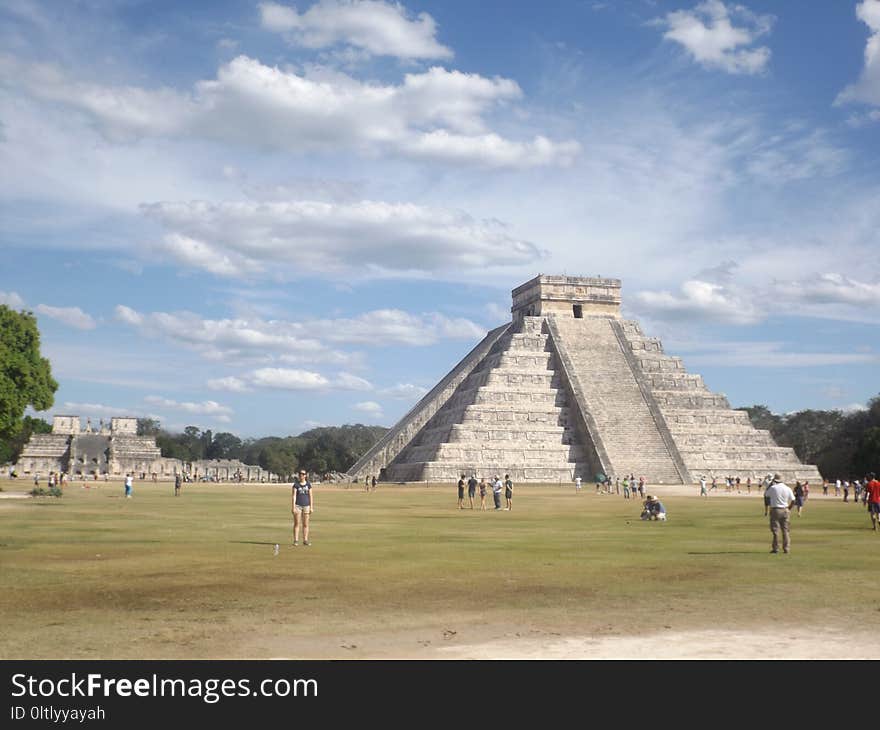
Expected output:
(115, 449)
(568, 389)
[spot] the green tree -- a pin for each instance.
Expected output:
(867, 456)
(762, 418)
(224, 446)
(148, 427)
(11, 448)
(25, 377)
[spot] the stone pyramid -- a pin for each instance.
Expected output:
(568, 389)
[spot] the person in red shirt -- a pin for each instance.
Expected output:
(873, 491)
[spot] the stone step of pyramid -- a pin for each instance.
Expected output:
(651, 362)
(491, 414)
(527, 342)
(708, 441)
(678, 417)
(448, 472)
(676, 380)
(769, 454)
(469, 432)
(509, 360)
(614, 400)
(540, 398)
(497, 452)
(688, 399)
(510, 378)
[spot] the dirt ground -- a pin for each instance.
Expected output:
(803, 643)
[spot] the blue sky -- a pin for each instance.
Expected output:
(263, 217)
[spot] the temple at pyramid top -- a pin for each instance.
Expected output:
(572, 296)
(569, 388)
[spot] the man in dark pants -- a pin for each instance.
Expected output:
(472, 489)
(780, 498)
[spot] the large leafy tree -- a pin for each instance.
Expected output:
(11, 448)
(25, 377)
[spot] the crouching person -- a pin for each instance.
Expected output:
(653, 509)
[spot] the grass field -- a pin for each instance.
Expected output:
(401, 573)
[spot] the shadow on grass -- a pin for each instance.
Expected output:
(251, 542)
(729, 552)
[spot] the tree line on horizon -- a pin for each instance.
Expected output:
(319, 450)
(843, 445)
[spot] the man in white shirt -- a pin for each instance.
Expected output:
(779, 499)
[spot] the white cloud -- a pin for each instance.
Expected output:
(288, 379)
(11, 300)
(378, 28)
(370, 407)
(294, 379)
(702, 300)
(854, 408)
(297, 342)
(707, 32)
(206, 408)
(394, 326)
(98, 409)
(228, 338)
(254, 105)
(239, 238)
(867, 89)
(764, 355)
(491, 150)
(831, 288)
(201, 255)
(347, 381)
(230, 384)
(71, 316)
(404, 391)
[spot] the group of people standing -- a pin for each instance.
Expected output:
(496, 485)
(629, 487)
(858, 487)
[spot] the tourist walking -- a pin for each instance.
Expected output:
(641, 486)
(373, 483)
(461, 492)
(846, 490)
(472, 489)
(626, 488)
(497, 486)
(129, 482)
(703, 492)
(872, 491)
(780, 499)
(577, 484)
(798, 497)
(302, 506)
(178, 480)
(483, 486)
(714, 483)
(508, 492)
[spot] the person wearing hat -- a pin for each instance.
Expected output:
(497, 486)
(653, 509)
(779, 498)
